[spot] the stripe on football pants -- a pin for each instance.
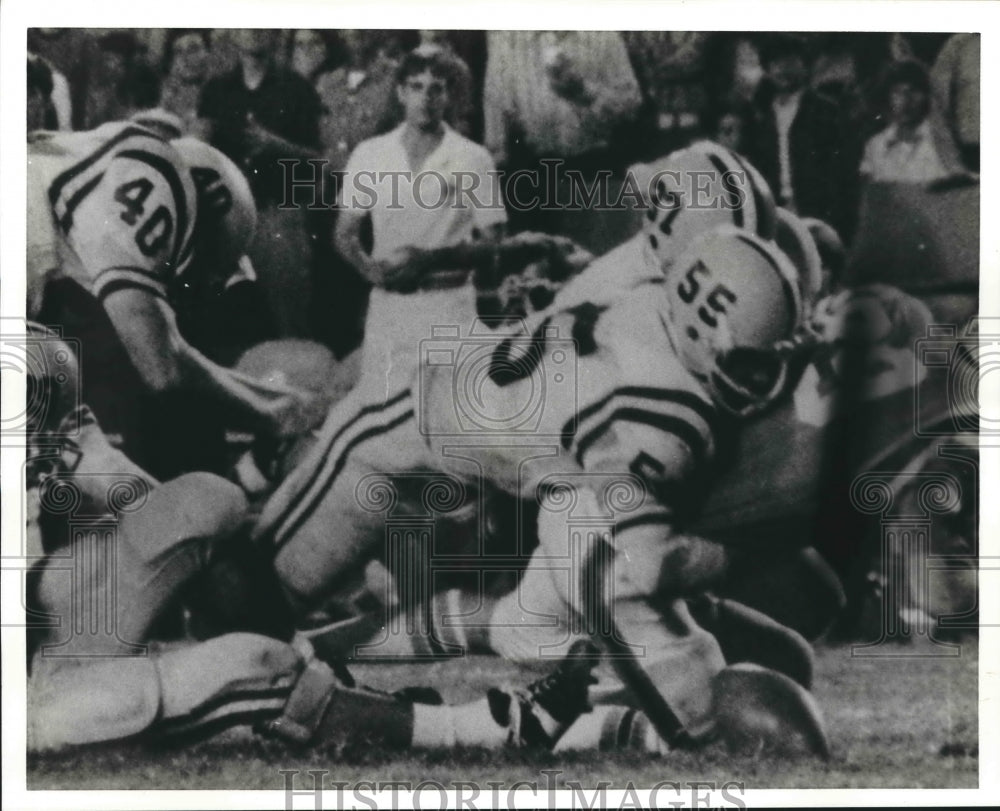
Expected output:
(369, 422)
(233, 709)
(622, 656)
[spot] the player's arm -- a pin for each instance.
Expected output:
(167, 364)
(129, 219)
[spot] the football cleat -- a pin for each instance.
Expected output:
(540, 713)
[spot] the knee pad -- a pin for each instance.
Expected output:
(204, 683)
(644, 560)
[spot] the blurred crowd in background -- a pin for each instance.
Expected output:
(821, 115)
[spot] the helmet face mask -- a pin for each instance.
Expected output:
(733, 310)
(747, 379)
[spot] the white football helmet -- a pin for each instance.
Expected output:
(699, 188)
(733, 311)
(832, 251)
(796, 241)
(227, 215)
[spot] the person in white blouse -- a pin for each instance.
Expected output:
(905, 151)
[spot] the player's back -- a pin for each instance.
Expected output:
(595, 388)
(612, 275)
(110, 208)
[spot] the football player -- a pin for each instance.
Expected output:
(661, 370)
(117, 223)
(663, 374)
(98, 671)
(690, 191)
(361, 432)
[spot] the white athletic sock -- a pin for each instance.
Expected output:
(466, 725)
(613, 728)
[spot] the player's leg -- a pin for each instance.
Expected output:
(224, 681)
(115, 578)
(335, 513)
(199, 689)
(629, 586)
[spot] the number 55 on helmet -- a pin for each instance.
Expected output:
(733, 309)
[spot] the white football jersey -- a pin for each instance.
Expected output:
(111, 208)
(598, 384)
(612, 275)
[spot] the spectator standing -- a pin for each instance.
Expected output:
(460, 112)
(905, 151)
(223, 51)
(48, 102)
(121, 84)
(39, 97)
(559, 95)
(671, 67)
(358, 97)
(313, 52)
(799, 144)
(411, 218)
(260, 114)
(955, 86)
(470, 47)
(185, 71)
(73, 53)
(730, 123)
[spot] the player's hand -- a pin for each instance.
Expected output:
(296, 412)
(402, 271)
(560, 257)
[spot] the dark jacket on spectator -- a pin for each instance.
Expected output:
(284, 103)
(820, 156)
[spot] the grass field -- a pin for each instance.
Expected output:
(893, 723)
